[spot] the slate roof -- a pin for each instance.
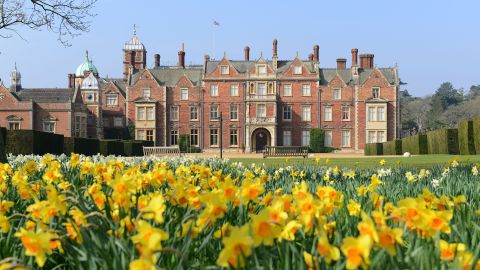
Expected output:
(244, 66)
(120, 83)
(327, 74)
(46, 95)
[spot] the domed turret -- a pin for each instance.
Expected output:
(89, 83)
(134, 55)
(86, 66)
(134, 43)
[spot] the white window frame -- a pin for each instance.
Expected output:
(328, 117)
(174, 113)
(381, 114)
(287, 90)
(297, 70)
(150, 113)
(212, 110)
(214, 135)
(149, 137)
(45, 123)
(143, 115)
(287, 138)
(174, 137)
(289, 112)
(14, 123)
(305, 137)
(328, 140)
(262, 69)
(214, 90)
(346, 143)
(141, 135)
(259, 113)
(234, 90)
(224, 69)
(373, 92)
(233, 134)
(347, 108)
(194, 135)
(183, 93)
(146, 92)
(306, 113)
(260, 92)
(234, 110)
(193, 110)
(337, 94)
(111, 97)
(306, 90)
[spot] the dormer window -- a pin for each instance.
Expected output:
(112, 100)
(297, 70)
(337, 93)
(262, 69)
(376, 92)
(224, 70)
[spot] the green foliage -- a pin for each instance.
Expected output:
(373, 149)
(466, 140)
(117, 133)
(443, 141)
(476, 134)
(3, 156)
(111, 147)
(33, 142)
(392, 147)
(445, 96)
(84, 146)
(184, 142)
(133, 148)
(317, 139)
(416, 144)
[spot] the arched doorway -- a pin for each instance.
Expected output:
(260, 138)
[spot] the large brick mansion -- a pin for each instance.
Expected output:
(262, 101)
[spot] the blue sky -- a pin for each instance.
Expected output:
(431, 41)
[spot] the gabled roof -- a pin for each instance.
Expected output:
(120, 83)
(388, 73)
(170, 76)
(243, 66)
(46, 95)
(327, 74)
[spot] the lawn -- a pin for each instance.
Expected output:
(424, 161)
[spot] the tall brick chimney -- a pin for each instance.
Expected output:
(71, 80)
(341, 63)
(247, 53)
(157, 60)
(366, 60)
(354, 57)
(275, 49)
(181, 57)
(316, 58)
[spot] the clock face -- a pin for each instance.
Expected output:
(90, 97)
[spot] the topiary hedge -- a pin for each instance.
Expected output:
(392, 147)
(184, 143)
(27, 142)
(3, 155)
(111, 147)
(466, 140)
(373, 149)
(416, 144)
(443, 141)
(476, 134)
(317, 140)
(83, 146)
(133, 148)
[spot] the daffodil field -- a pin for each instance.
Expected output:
(78, 212)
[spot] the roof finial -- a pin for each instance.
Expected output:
(134, 29)
(86, 55)
(183, 47)
(15, 65)
(297, 55)
(261, 54)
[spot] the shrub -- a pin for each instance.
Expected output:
(373, 149)
(184, 143)
(466, 142)
(111, 147)
(443, 141)
(476, 134)
(3, 155)
(392, 147)
(133, 148)
(416, 144)
(84, 146)
(317, 140)
(33, 142)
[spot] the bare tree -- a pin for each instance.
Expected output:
(67, 18)
(418, 111)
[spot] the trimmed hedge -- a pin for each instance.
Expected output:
(111, 147)
(184, 142)
(133, 148)
(3, 155)
(476, 134)
(317, 140)
(373, 149)
(27, 142)
(443, 141)
(392, 147)
(83, 146)
(416, 144)
(466, 140)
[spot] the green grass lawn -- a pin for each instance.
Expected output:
(424, 161)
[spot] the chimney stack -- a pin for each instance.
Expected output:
(310, 57)
(247, 53)
(132, 58)
(275, 51)
(157, 60)
(316, 58)
(354, 57)
(71, 80)
(341, 63)
(366, 60)
(181, 57)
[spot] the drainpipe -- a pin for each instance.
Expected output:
(244, 85)
(202, 126)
